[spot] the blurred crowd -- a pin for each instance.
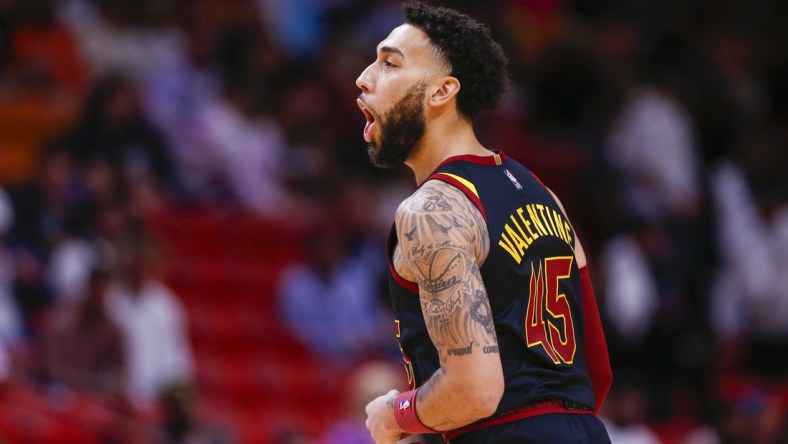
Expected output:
(662, 125)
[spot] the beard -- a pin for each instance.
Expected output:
(400, 130)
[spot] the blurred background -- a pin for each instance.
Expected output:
(192, 238)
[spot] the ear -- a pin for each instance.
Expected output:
(444, 91)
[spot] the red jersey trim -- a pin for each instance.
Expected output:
(411, 286)
(498, 158)
(540, 408)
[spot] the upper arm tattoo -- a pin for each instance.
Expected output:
(444, 238)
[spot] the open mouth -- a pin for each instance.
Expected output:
(370, 126)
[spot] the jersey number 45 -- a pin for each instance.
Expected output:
(555, 333)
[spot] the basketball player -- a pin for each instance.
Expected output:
(495, 312)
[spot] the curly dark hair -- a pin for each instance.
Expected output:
(475, 59)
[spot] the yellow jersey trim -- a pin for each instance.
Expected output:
(463, 181)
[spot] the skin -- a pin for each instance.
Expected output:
(442, 243)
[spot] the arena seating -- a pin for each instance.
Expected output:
(254, 379)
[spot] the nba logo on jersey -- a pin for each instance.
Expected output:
(403, 405)
(513, 179)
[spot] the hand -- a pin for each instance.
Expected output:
(380, 419)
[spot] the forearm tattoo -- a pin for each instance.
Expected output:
(443, 237)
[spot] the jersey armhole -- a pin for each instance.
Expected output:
(390, 246)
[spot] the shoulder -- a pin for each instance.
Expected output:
(438, 196)
(433, 196)
(437, 200)
(439, 212)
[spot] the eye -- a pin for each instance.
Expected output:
(388, 64)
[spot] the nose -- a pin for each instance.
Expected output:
(364, 81)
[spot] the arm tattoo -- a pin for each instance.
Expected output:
(444, 238)
(430, 384)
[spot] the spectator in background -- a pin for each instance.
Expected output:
(113, 129)
(215, 104)
(176, 94)
(84, 348)
(658, 265)
(71, 260)
(652, 143)
(749, 299)
(331, 302)
(41, 208)
(123, 36)
(248, 147)
(87, 235)
(631, 295)
(42, 204)
(153, 323)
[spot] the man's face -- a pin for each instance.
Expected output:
(393, 95)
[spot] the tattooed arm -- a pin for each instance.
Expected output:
(443, 240)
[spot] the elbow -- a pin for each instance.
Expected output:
(477, 390)
(486, 396)
(492, 399)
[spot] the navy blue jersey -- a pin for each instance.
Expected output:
(532, 281)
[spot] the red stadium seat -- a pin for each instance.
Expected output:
(255, 377)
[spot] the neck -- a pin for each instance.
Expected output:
(445, 138)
